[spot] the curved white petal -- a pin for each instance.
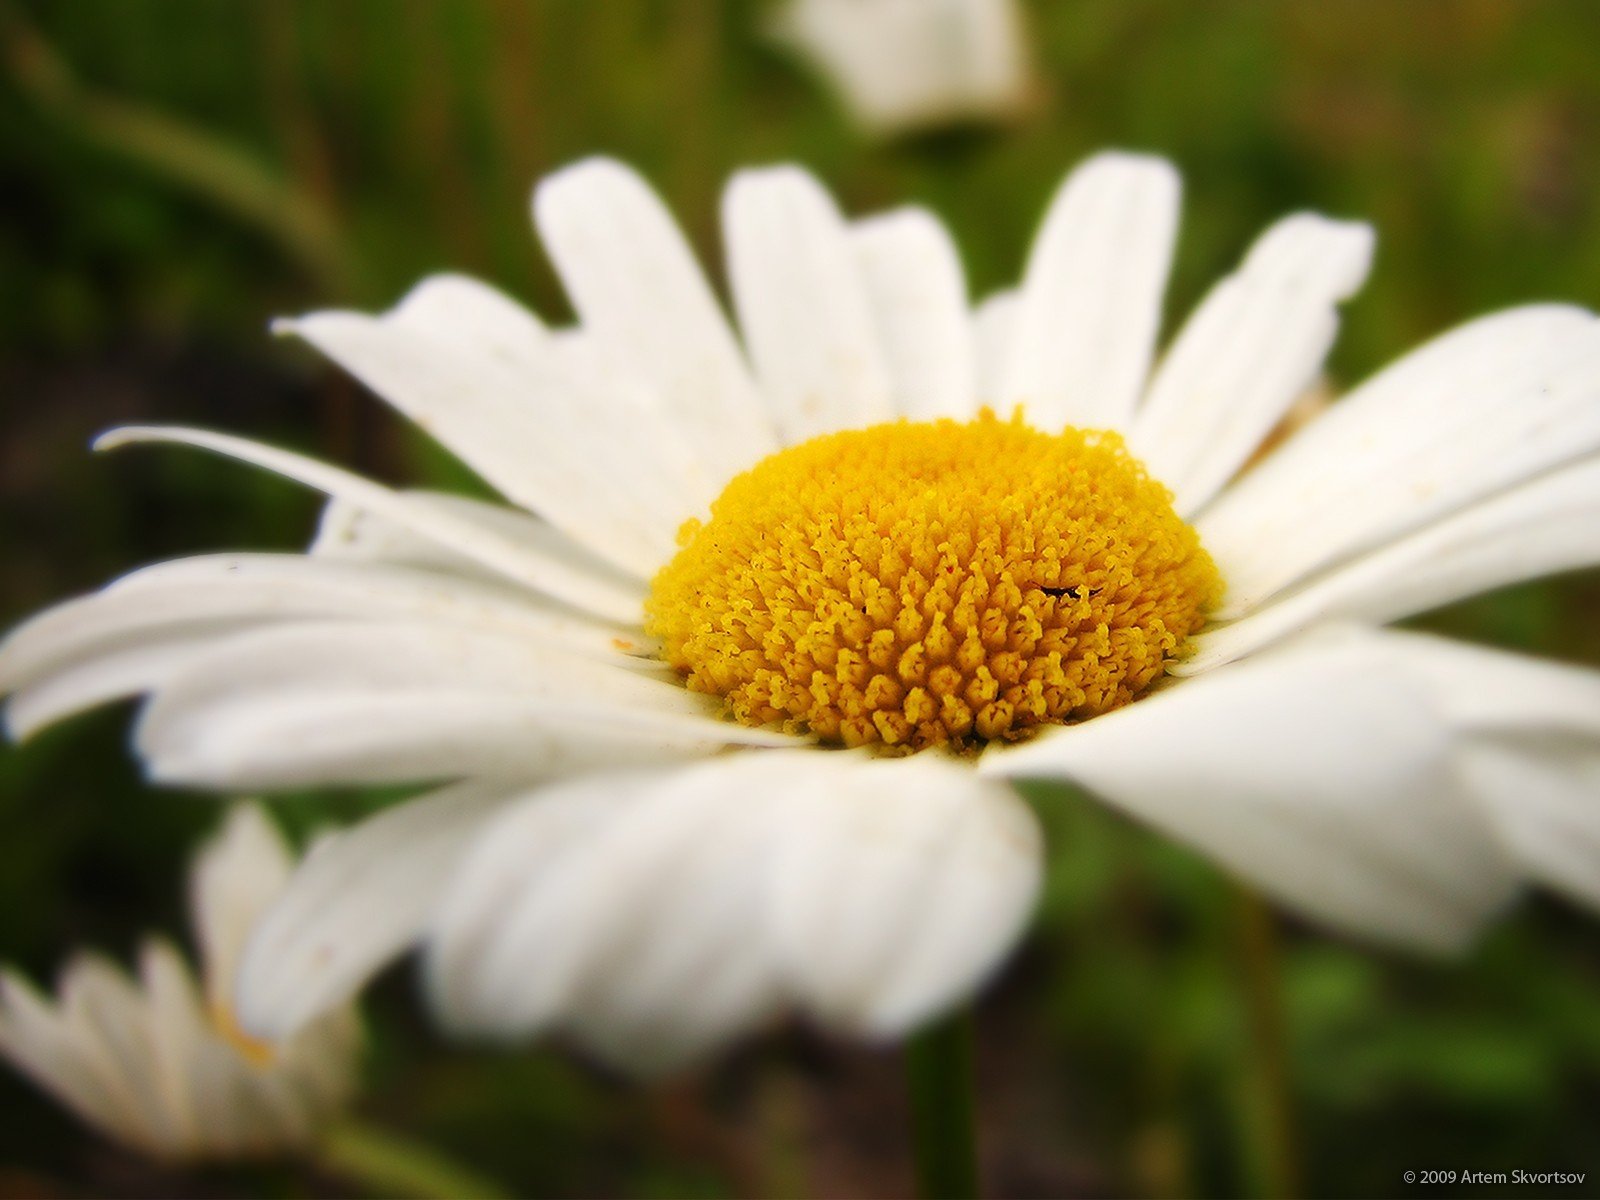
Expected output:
(1481, 409)
(359, 899)
(60, 1054)
(919, 299)
(499, 395)
(641, 295)
(507, 555)
(235, 875)
(328, 702)
(654, 917)
(1320, 773)
(1536, 529)
(1531, 754)
(1254, 344)
(900, 887)
(112, 674)
(1090, 304)
(193, 602)
(349, 532)
(803, 305)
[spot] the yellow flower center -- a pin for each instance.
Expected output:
(920, 584)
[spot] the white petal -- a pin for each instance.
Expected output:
(113, 674)
(640, 293)
(236, 874)
(1319, 773)
(656, 916)
(1537, 529)
(993, 323)
(601, 462)
(186, 1072)
(1091, 299)
(58, 1055)
(803, 305)
(1545, 796)
(1254, 344)
(632, 911)
(1532, 750)
(510, 557)
(1476, 411)
(919, 298)
(340, 702)
(514, 929)
(346, 531)
(901, 886)
(360, 899)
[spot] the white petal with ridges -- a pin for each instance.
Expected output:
(358, 900)
(531, 428)
(803, 305)
(1090, 307)
(642, 296)
(235, 875)
(508, 556)
(1318, 773)
(901, 886)
(918, 293)
(1536, 529)
(1474, 412)
(1254, 344)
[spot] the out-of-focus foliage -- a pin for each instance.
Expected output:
(174, 172)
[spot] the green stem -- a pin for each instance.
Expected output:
(1271, 1149)
(939, 1074)
(389, 1165)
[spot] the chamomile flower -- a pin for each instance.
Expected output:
(159, 1063)
(727, 698)
(901, 65)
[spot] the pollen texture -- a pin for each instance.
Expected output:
(933, 583)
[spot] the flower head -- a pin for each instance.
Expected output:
(161, 1064)
(727, 699)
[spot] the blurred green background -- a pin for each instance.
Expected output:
(175, 172)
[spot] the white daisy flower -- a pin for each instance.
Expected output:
(873, 566)
(159, 1063)
(902, 65)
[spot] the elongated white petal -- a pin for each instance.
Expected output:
(1254, 344)
(1319, 773)
(641, 295)
(803, 305)
(54, 1053)
(307, 736)
(1530, 751)
(1090, 305)
(508, 556)
(197, 598)
(919, 299)
(113, 674)
(360, 899)
(1481, 409)
(234, 877)
(655, 917)
(993, 322)
(506, 405)
(107, 1018)
(346, 531)
(515, 927)
(1544, 793)
(308, 702)
(1537, 529)
(632, 911)
(901, 887)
